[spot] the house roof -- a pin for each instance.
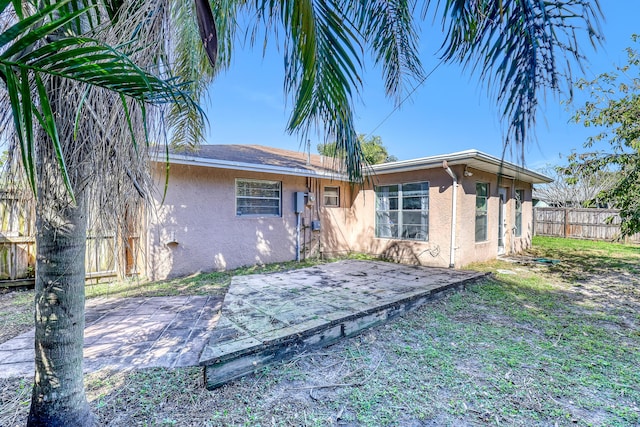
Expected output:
(470, 158)
(258, 158)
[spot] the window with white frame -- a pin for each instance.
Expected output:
(482, 199)
(258, 197)
(519, 201)
(332, 196)
(402, 211)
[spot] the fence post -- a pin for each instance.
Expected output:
(566, 222)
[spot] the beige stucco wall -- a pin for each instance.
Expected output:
(197, 229)
(468, 250)
(352, 229)
(355, 229)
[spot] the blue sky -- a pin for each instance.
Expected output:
(449, 112)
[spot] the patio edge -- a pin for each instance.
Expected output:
(221, 370)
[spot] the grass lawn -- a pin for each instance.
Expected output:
(538, 344)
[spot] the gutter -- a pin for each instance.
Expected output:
(454, 205)
(483, 162)
(181, 159)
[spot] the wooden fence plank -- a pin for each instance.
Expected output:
(17, 244)
(579, 223)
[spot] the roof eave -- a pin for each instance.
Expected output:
(505, 168)
(251, 167)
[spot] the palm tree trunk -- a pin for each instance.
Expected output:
(58, 397)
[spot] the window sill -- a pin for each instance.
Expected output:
(399, 239)
(258, 216)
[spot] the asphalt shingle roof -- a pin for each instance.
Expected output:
(261, 155)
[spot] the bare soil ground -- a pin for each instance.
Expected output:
(540, 344)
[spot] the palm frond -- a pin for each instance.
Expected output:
(22, 121)
(389, 28)
(4, 4)
(323, 53)
(207, 29)
(515, 46)
(25, 59)
(47, 121)
(191, 63)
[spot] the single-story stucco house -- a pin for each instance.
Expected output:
(233, 205)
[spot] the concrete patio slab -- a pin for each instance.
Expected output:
(263, 319)
(130, 333)
(268, 318)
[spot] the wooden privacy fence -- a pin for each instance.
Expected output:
(579, 223)
(18, 258)
(17, 244)
(18, 248)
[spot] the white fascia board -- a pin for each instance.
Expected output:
(250, 167)
(413, 164)
(463, 158)
(508, 169)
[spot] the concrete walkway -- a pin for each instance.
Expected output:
(130, 333)
(263, 319)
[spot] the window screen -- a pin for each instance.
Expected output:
(519, 200)
(258, 198)
(332, 196)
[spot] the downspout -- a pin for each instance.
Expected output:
(298, 207)
(454, 205)
(298, 214)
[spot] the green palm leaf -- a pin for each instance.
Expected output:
(31, 35)
(322, 67)
(389, 28)
(47, 121)
(189, 62)
(25, 59)
(515, 46)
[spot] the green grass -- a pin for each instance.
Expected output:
(567, 246)
(196, 284)
(520, 349)
(591, 256)
(16, 312)
(528, 347)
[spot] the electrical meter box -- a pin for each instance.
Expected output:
(298, 203)
(311, 197)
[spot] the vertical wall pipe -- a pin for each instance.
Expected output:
(298, 236)
(454, 205)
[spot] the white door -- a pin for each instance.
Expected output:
(502, 219)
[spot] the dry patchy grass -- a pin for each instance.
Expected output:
(536, 345)
(16, 312)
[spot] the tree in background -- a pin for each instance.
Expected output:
(373, 150)
(570, 188)
(615, 107)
